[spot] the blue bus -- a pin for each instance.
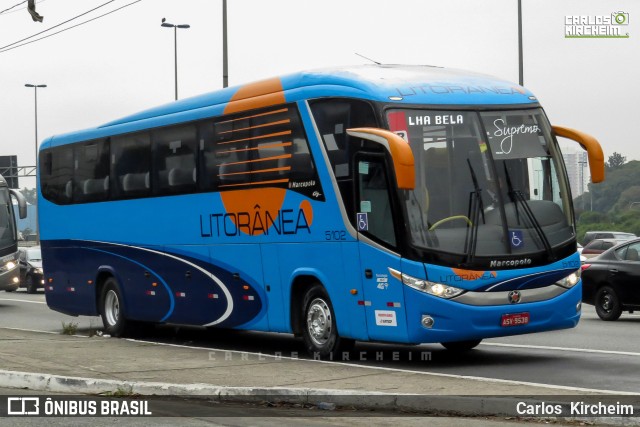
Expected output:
(405, 204)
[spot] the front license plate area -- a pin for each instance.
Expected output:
(515, 319)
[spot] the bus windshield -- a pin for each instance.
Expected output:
(7, 221)
(487, 183)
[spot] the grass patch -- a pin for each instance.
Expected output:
(69, 328)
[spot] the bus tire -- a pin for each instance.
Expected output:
(111, 309)
(461, 345)
(319, 330)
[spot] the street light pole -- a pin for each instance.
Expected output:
(225, 62)
(175, 46)
(520, 60)
(35, 92)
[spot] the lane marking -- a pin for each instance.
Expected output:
(578, 350)
(33, 330)
(23, 300)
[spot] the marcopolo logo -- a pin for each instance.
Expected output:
(614, 26)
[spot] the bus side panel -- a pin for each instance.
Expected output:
(244, 263)
(62, 294)
(384, 295)
(329, 263)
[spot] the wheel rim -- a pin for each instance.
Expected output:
(606, 302)
(319, 321)
(111, 308)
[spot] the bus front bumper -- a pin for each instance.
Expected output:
(431, 319)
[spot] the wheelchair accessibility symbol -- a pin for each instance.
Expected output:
(517, 238)
(363, 222)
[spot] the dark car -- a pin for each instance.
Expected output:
(610, 281)
(619, 235)
(31, 275)
(598, 246)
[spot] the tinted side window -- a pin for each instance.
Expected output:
(175, 157)
(633, 252)
(56, 171)
(91, 171)
(333, 117)
(130, 165)
(257, 149)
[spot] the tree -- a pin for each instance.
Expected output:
(616, 160)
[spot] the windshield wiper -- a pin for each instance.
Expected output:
(517, 196)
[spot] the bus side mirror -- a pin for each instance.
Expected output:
(589, 143)
(22, 203)
(398, 148)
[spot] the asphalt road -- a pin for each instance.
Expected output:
(597, 355)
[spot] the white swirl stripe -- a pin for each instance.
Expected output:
(219, 282)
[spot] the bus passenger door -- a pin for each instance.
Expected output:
(383, 295)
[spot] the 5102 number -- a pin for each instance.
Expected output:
(335, 235)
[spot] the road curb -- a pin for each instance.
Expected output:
(468, 406)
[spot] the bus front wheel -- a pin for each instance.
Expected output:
(111, 309)
(319, 330)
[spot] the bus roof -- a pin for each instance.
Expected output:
(396, 84)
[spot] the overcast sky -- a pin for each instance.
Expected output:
(123, 62)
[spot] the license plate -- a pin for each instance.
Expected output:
(516, 319)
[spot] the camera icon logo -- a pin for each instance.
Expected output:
(620, 18)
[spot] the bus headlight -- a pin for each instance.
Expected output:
(571, 280)
(432, 288)
(8, 266)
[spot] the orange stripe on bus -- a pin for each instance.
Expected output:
(268, 113)
(284, 168)
(282, 156)
(280, 122)
(260, 94)
(275, 181)
(288, 132)
(263, 147)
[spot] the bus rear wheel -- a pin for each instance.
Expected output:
(111, 309)
(461, 345)
(319, 330)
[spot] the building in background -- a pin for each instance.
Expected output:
(577, 169)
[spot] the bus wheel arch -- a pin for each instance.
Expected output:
(299, 288)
